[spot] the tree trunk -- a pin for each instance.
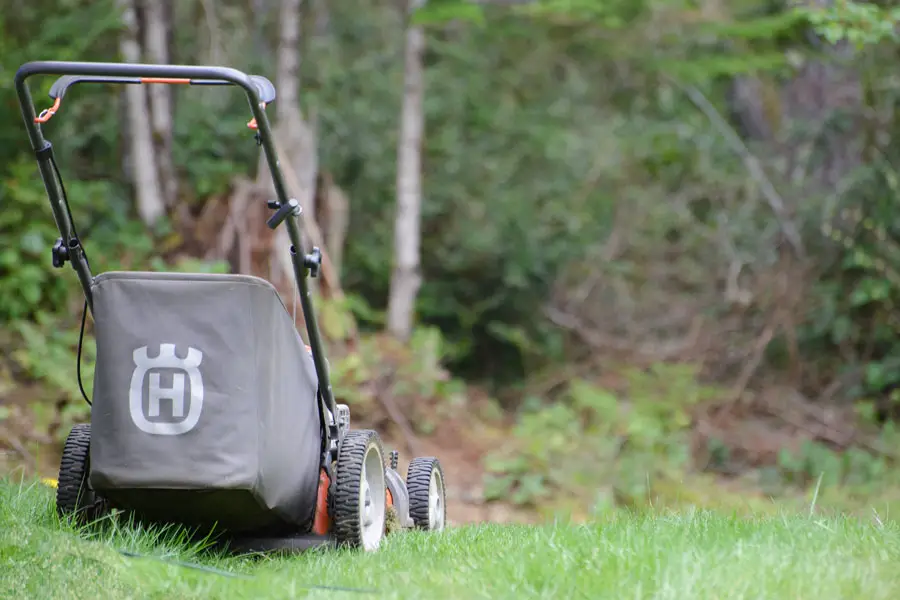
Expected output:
(321, 17)
(156, 41)
(296, 134)
(260, 10)
(287, 75)
(296, 137)
(406, 279)
(333, 218)
(150, 203)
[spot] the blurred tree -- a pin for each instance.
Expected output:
(148, 188)
(157, 19)
(406, 277)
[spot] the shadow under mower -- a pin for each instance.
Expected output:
(209, 410)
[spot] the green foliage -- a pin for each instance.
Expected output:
(856, 469)
(611, 14)
(859, 23)
(410, 376)
(435, 12)
(816, 462)
(597, 439)
(539, 163)
(48, 354)
(852, 312)
(57, 30)
(27, 233)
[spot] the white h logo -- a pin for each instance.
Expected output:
(176, 394)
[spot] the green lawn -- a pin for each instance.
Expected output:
(662, 556)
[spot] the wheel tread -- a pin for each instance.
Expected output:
(418, 482)
(346, 490)
(70, 490)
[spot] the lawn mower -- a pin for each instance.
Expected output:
(209, 409)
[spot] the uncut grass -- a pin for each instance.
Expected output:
(691, 554)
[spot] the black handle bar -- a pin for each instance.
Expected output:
(259, 90)
(264, 87)
(122, 71)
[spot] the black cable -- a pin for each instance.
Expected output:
(65, 198)
(78, 355)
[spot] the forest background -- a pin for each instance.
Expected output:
(592, 254)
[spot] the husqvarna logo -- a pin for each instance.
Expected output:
(161, 409)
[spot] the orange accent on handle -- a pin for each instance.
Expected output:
(49, 112)
(322, 520)
(390, 498)
(252, 124)
(169, 80)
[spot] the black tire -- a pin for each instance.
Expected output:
(74, 495)
(361, 451)
(418, 482)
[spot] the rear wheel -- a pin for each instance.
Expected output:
(427, 496)
(74, 495)
(359, 497)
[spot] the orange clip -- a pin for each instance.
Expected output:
(166, 80)
(47, 113)
(252, 124)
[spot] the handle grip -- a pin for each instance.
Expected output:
(264, 87)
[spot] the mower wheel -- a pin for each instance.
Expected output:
(73, 493)
(427, 495)
(360, 491)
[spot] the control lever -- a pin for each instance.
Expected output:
(282, 212)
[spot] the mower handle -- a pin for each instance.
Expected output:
(100, 71)
(263, 86)
(259, 90)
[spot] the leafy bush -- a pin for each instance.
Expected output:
(27, 234)
(596, 439)
(851, 323)
(411, 376)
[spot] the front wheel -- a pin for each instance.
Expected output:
(360, 491)
(427, 495)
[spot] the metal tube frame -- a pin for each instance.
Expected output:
(199, 75)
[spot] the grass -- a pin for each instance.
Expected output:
(693, 554)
